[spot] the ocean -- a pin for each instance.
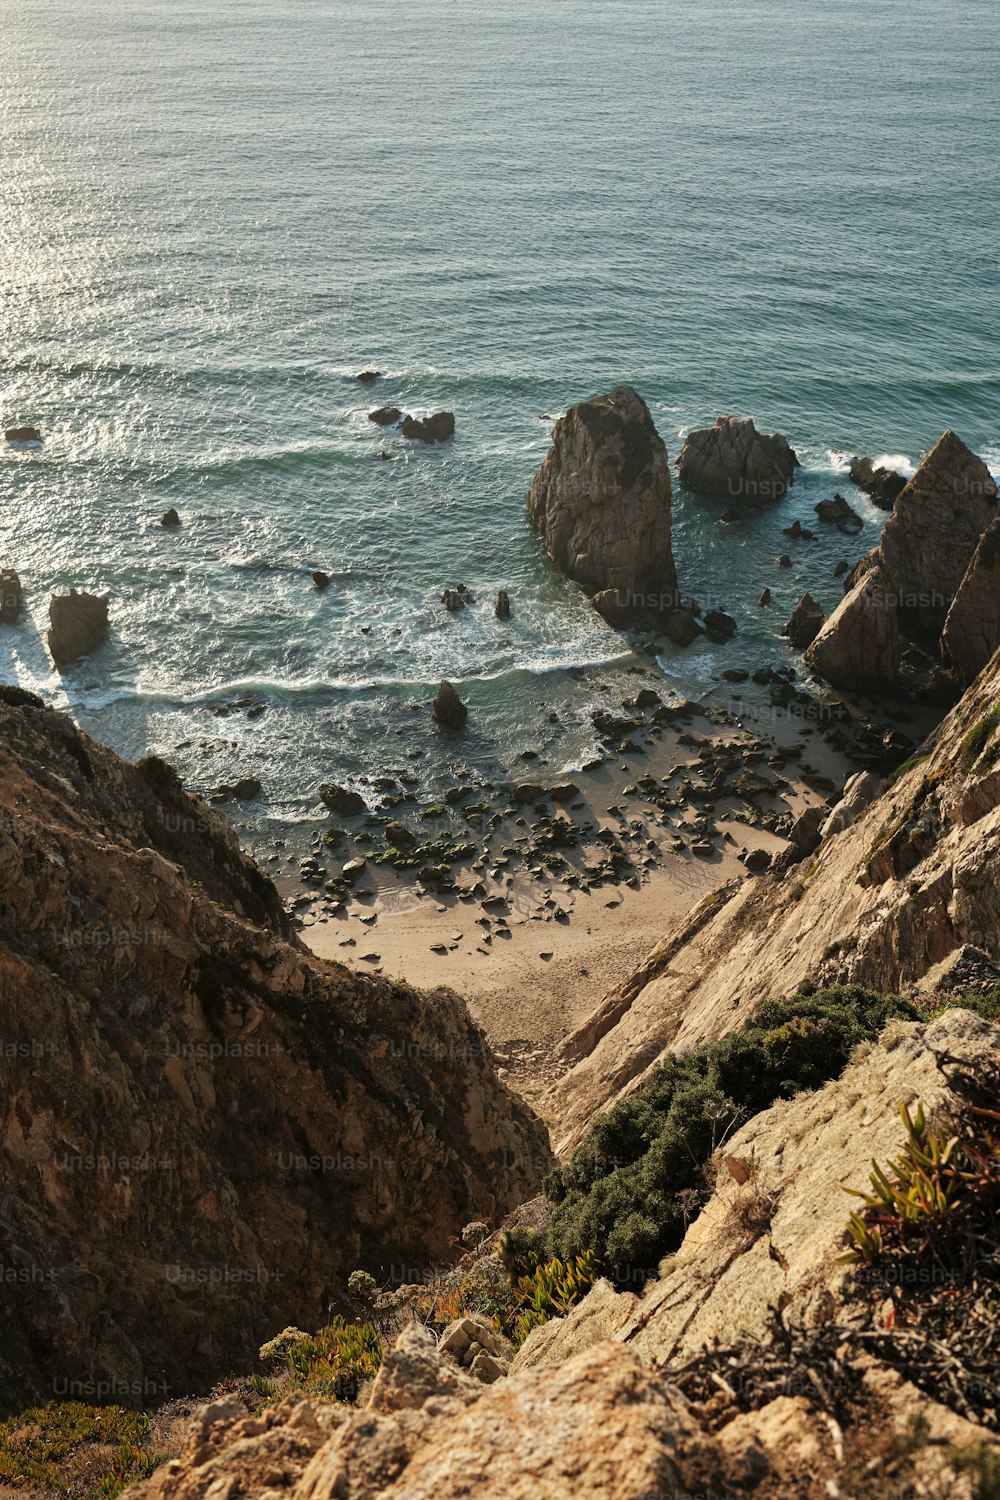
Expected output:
(213, 215)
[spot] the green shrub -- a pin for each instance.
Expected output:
(550, 1291)
(629, 1190)
(337, 1362)
(62, 1446)
(978, 738)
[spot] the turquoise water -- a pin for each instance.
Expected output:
(213, 215)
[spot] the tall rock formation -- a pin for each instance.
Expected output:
(735, 460)
(203, 1129)
(858, 647)
(601, 501)
(929, 540)
(972, 630)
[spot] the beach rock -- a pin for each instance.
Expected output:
(353, 868)
(528, 791)
(601, 502)
(369, 377)
(879, 484)
(858, 648)
(719, 625)
(435, 429)
(320, 579)
(398, 835)
(448, 708)
(385, 416)
(341, 799)
(610, 606)
(170, 518)
(972, 629)
(246, 789)
(804, 623)
(78, 623)
(734, 459)
(11, 596)
(681, 627)
(929, 540)
(502, 610)
(764, 599)
(840, 514)
(23, 435)
(567, 791)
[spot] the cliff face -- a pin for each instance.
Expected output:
(203, 1130)
(880, 903)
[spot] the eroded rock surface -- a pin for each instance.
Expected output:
(735, 460)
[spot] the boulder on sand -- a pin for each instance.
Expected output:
(804, 623)
(435, 429)
(341, 799)
(11, 596)
(858, 648)
(78, 623)
(734, 459)
(972, 630)
(448, 708)
(928, 541)
(601, 501)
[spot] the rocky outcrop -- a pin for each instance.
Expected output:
(502, 606)
(601, 501)
(878, 904)
(858, 648)
(840, 514)
(929, 540)
(385, 416)
(881, 485)
(735, 460)
(804, 623)
(203, 1129)
(341, 799)
(11, 596)
(448, 708)
(434, 429)
(972, 630)
(78, 624)
(23, 435)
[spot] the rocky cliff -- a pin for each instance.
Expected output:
(880, 902)
(203, 1130)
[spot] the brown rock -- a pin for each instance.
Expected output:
(613, 605)
(385, 416)
(435, 429)
(764, 599)
(858, 648)
(720, 626)
(78, 624)
(734, 459)
(601, 501)
(972, 630)
(341, 799)
(11, 596)
(448, 708)
(369, 377)
(502, 610)
(23, 435)
(170, 518)
(880, 485)
(840, 514)
(805, 622)
(929, 540)
(320, 579)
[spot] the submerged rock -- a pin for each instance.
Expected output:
(734, 459)
(434, 429)
(11, 596)
(369, 377)
(448, 708)
(78, 624)
(601, 503)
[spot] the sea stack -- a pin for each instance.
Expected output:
(78, 624)
(733, 459)
(11, 596)
(601, 502)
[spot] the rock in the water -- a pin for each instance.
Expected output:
(368, 377)
(929, 540)
(784, 561)
(681, 626)
(842, 515)
(805, 622)
(764, 599)
(609, 605)
(734, 459)
(11, 596)
(246, 789)
(320, 579)
(719, 625)
(385, 416)
(841, 568)
(170, 518)
(341, 799)
(972, 630)
(435, 429)
(23, 435)
(502, 606)
(601, 502)
(799, 533)
(858, 648)
(454, 600)
(448, 707)
(78, 623)
(879, 484)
